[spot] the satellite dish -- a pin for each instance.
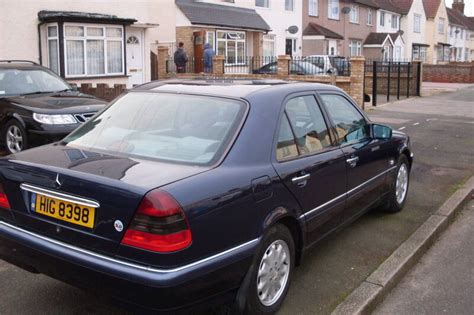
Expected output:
(293, 29)
(346, 10)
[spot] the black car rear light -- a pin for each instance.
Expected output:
(3, 199)
(159, 225)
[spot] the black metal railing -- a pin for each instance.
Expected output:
(384, 64)
(251, 65)
(193, 65)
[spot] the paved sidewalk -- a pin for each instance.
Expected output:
(443, 281)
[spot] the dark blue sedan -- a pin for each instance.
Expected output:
(182, 193)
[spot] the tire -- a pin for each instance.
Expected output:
(399, 187)
(14, 137)
(277, 240)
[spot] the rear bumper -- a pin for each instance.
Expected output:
(158, 289)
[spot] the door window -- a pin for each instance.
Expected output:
(307, 122)
(350, 124)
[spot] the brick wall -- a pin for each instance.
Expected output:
(102, 90)
(185, 34)
(451, 73)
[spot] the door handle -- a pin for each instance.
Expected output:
(352, 161)
(299, 179)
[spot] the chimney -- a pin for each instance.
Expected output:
(458, 5)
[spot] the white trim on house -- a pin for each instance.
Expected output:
(314, 37)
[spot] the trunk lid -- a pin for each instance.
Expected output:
(116, 183)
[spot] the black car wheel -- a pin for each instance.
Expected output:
(399, 190)
(272, 272)
(14, 137)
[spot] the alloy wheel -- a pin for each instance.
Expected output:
(402, 183)
(273, 272)
(14, 139)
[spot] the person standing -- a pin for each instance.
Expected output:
(208, 55)
(180, 58)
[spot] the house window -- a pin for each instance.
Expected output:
(231, 44)
(354, 17)
(441, 26)
(333, 9)
(262, 3)
(53, 48)
(394, 21)
(419, 53)
(211, 39)
(93, 50)
(355, 47)
(382, 18)
(313, 8)
(466, 54)
(269, 45)
(417, 23)
(289, 5)
(462, 34)
(370, 16)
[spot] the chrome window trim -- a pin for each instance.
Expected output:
(348, 192)
(59, 195)
(125, 263)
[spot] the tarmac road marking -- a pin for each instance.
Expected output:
(401, 128)
(416, 124)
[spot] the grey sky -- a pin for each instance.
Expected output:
(469, 8)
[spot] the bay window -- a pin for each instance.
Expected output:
(269, 45)
(53, 48)
(93, 50)
(231, 44)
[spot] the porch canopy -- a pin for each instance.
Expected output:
(84, 17)
(201, 13)
(316, 31)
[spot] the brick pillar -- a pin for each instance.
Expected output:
(257, 44)
(283, 65)
(472, 72)
(163, 57)
(357, 80)
(218, 65)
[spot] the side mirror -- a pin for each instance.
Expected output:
(381, 132)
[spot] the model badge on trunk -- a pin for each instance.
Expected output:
(118, 225)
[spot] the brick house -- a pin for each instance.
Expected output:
(436, 31)
(460, 33)
(337, 27)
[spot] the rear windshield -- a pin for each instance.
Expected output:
(170, 127)
(16, 82)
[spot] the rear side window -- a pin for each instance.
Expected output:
(350, 124)
(286, 147)
(307, 123)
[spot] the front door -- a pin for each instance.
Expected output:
(309, 164)
(135, 56)
(332, 47)
(366, 158)
(199, 41)
(289, 47)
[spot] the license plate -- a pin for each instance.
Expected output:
(63, 210)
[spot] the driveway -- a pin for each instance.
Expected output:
(442, 134)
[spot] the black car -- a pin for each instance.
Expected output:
(38, 107)
(183, 193)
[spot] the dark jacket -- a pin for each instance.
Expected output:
(208, 54)
(180, 57)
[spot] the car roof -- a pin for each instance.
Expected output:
(19, 64)
(230, 88)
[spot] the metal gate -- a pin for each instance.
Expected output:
(387, 79)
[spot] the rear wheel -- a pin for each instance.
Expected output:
(398, 192)
(272, 272)
(14, 137)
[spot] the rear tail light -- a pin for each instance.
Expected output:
(3, 199)
(159, 225)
